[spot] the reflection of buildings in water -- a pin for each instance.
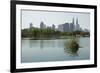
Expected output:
(36, 43)
(31, 43)
(47, 43)
(71, 52)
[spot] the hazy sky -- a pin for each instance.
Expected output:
(56, 18)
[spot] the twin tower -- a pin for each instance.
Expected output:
(69, 27)
(65, 27)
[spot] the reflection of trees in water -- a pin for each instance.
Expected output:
(71, 52)
(71, 47)
(33, 43)
(41, 44)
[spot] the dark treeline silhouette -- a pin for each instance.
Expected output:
(50, 33)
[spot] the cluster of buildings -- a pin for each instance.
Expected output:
(65, 27)
(69, 27)
(43, 26)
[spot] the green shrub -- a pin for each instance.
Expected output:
(72, 45)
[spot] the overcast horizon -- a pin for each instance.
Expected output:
(56, 18)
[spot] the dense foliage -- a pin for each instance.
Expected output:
(49, 33)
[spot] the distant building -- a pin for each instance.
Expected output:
(60, 27)
(73, 21)
(63, 27)
(66, 27)
(77, 25)
(72, 26)
(53, 27)
(31, 25)
(42, 25)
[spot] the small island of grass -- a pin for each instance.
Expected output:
(72, 46)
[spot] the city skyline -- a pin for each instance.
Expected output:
(56, 18)
(64, 27)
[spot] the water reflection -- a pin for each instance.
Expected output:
(36, 43)
(31, 43)
(53, 50)
(41, 44)
(71, 52)
(71, 47)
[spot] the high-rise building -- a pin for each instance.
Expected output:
(73, 21)
(66, 27)
(42, 25)
(53, 27)
(77, 25)
(72, 26)
(60, 27)
(63, 27)
(31, 25)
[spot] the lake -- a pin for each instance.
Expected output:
(53, 50)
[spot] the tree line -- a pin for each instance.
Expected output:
(48, 33)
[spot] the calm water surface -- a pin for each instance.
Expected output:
(53, 50)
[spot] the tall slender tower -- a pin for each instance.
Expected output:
(72, 26)
(77, 21)
(77, 25)
(73, 21)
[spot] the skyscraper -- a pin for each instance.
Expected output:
(72, 26)
(53, 27)
(77, 25)
(31, 25)
(63, 27)
(42, 25)
(60, 27)
(73, 21)
(66, 27)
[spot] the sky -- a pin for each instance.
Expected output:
(53, 17)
